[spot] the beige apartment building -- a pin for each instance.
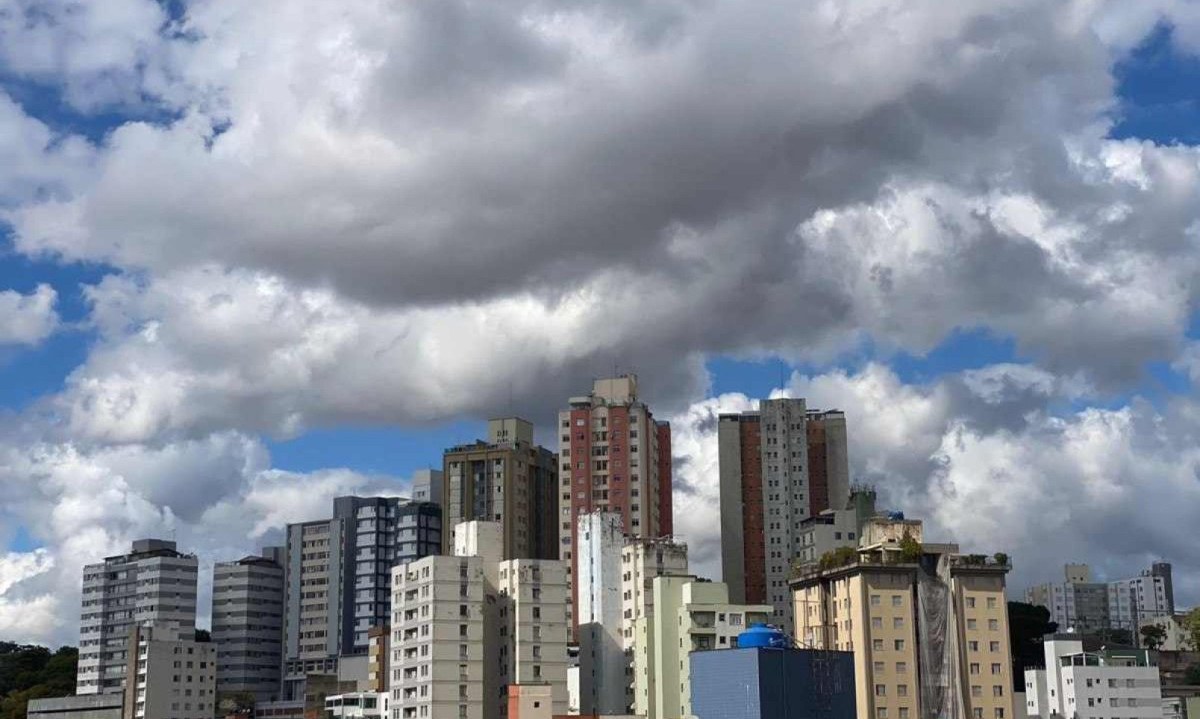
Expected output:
(506, 479)
(897, 602)
(643, 560)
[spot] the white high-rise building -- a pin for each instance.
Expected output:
(464, 627)
(152, 583)
(1093, 685)
(533, 598)
(603, 664)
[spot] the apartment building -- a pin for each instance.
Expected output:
(175, 676)
(642, 560)
(427, 486)
(1082, 603)
(154, 582)
(911, 611)
(603, 663)
(247, 624)
(778, 466)
(832, 529)
(379, 655)
(532, 633)
(464, 627)
(1105, 684)
(508, 480)
(336, 579)
(615, 457)
(690, 615)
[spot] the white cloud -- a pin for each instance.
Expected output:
(1017, 481)
(27, 319)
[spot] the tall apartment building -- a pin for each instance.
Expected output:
(1084, 604)
(778, 466)
(615, 457)
(465, 627)
(643, 560)
(154, 582)
(912, 613)
(247, 624)
(691, 615)
(1093, 685)
(175, 675)
(336, 582)
(603, 664)
(379, 655)
(533, 628)
(509, 480)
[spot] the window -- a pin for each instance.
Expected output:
(999, 713)
(995, 669)
(881, 713)
(973, 646)
(879, 667)
(877, 645)
(902, 667)
(991, 604)
(970, 602)
(974, 668)
(899, 644)
(876, 600)
(972, 624)
(897, 600)
(903, 712)
(881, 690)
(897, 622)
(877, 622)
(998, 690)
(993, 646)
(977, 712)
(994, 625)
(976, 690)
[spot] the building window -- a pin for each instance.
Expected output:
(881, 690)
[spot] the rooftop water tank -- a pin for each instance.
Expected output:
(762, 635)
(896, 516)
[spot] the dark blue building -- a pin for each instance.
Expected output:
(772, 682)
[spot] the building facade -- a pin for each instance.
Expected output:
(778, 466)
(465, 627)
(532, 598)
(615, 457)
(690, 615)
(911, 611)
(154, 582)
(247, 624)
(1086, 605)
(603, 664)
(1093, 685)
(643, 560)
(337, 579)
(508, 480)
(835, 528)
(427, 486)
(772, 683)
(175, 676)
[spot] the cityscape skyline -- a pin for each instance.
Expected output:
(256, 256)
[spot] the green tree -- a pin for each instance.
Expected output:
(33, 672)
(1027, 624)
(910, 548)
(1153, 636)
(1191, 624)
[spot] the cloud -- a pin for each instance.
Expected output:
(216, 496)
(27, 319)
(994, 471)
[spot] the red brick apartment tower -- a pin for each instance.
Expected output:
(613, 457)
(778, 466)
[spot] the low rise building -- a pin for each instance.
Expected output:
(1093, 685)
(764, 677)
(1175, 636)
(81, 706)
(359, 705)
(835, 528)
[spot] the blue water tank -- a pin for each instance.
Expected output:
(762, 635)
(896, 516)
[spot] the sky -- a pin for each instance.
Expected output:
(257, 255)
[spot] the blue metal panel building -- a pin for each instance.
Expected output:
(772, 683)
